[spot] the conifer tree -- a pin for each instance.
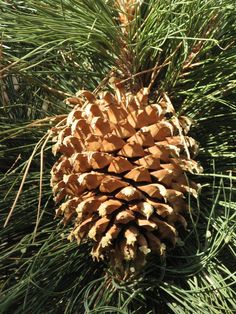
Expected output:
(117, 122)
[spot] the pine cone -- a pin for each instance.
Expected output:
(122, 174)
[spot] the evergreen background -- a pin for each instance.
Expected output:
(49, 50)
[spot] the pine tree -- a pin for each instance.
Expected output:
(136, 100)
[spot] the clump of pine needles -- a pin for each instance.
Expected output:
(48, 51)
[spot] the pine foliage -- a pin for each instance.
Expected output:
(48, 51)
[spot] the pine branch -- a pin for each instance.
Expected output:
(54, 48)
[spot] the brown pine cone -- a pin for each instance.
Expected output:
(122, 174)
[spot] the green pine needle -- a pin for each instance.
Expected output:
(48, 51)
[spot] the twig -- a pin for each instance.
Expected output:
(1, 78)
(40, 185)
(197, 48)
(55, 91)
(9, 66)
(137, 74)
(158, 68)
(43, 140)
(104, 81)
(13, 165)
(39, 122)
(23, 181)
